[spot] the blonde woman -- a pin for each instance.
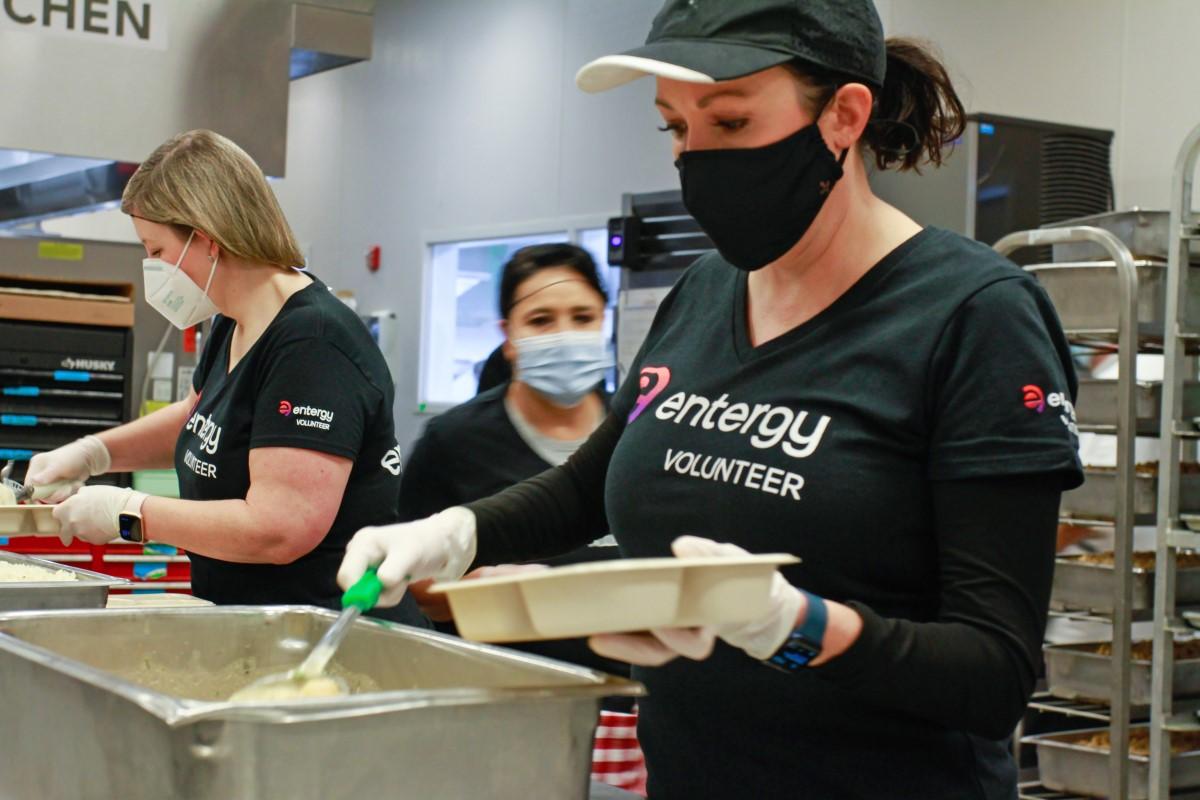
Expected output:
(285, 445)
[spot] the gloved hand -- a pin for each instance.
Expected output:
(71, 464)
(760, 638)
(91, 513)
(441, 547)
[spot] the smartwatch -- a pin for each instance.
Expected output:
(129, 525)
(804, 642)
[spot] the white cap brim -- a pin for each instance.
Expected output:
(608, 72)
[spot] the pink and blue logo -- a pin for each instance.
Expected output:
(652, 382)
(285, 408)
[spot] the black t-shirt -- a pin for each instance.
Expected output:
(473, 451)
(314, 380)
(468, 452)
(944, 362)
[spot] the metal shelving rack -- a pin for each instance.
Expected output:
(1179, 345)
(1117, 714)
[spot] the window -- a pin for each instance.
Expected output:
(461, 325)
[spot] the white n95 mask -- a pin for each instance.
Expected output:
(170, 292)
(563, 367)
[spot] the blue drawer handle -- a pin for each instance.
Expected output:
(22, 391)
(20, 420)
(72, 375)
(15, 455)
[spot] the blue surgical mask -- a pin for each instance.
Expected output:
(563, 367)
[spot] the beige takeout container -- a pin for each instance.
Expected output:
(612, 596)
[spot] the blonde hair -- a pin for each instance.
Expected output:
(202, 181)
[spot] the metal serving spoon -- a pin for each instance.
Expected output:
(309, 679)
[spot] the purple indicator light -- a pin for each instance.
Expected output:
(616, 241)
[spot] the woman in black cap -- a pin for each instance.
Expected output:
(891, 403)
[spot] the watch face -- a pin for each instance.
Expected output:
(130, 527)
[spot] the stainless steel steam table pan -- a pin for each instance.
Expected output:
(88, 590)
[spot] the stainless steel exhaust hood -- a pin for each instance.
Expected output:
(95, 85)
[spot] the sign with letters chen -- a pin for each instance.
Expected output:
(133, 23)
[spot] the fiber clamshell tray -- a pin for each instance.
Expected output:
(612, 596)
(28, 520)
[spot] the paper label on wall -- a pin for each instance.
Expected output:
(60, 251)
(131, 23)
(635, 311)
(183, 382)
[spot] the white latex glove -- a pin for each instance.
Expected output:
(441, 547)
(71, 465)
(760, 638)
(91, 513)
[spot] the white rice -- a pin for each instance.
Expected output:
(25, 573)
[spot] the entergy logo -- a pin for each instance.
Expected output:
(661, 377)
(1034, 397)
(285, 408)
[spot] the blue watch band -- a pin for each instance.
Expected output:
(804, 642)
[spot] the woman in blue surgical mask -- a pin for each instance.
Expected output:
(552, 315)
(551, 308)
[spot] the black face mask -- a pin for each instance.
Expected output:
(755, 203)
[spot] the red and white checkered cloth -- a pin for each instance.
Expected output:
(617, 758)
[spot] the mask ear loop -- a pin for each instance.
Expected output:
(211, 274)
(183, 255)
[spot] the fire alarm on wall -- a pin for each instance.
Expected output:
(373, 259)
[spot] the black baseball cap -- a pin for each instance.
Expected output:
(704, 41)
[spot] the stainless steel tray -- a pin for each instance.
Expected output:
(88, 590)
(1065, 766)
(1097, 403)
(1147, 234)
(1089, 587)
(1097, 497)
(1085, 296)
(452, 718)
(1075, 672)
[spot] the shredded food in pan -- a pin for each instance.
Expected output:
(217, 685)
(1143, 651)
(1139, 741)
(1141, 560)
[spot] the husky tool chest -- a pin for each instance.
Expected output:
(66, 358)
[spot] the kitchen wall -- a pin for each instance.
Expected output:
(467, 119)
(1126, 65)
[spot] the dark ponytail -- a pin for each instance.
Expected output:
(918, 115)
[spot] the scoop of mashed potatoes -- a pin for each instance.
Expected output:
(7, 498)
(280, 691)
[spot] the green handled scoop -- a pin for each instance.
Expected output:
(309, 679)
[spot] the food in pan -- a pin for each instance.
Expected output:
(1139, 741)
(31, 573)
(1150, 468)
(197, 681)
(323, 686)
(1141, 560)
(1144, 651)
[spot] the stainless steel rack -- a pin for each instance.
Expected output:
(1180, 339)
(1125, 340)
